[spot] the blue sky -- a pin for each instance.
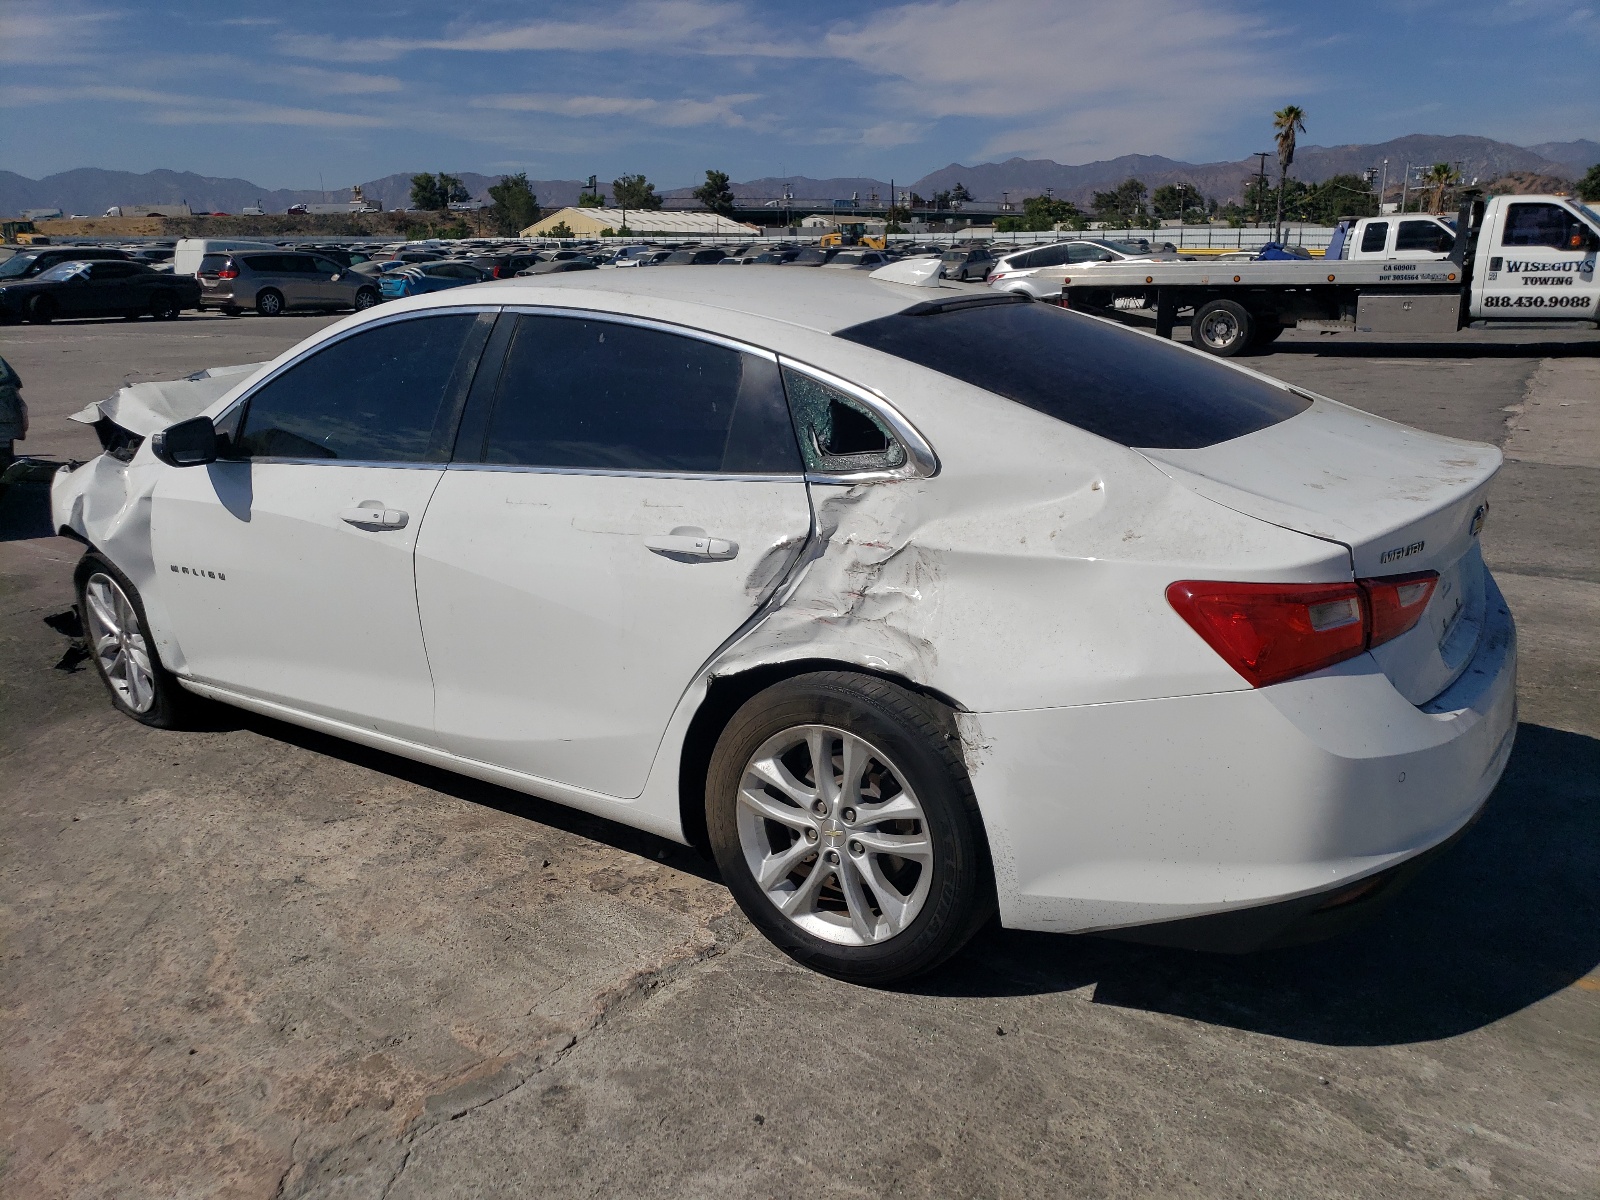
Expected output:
(280, 93)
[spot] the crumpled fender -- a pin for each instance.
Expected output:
(148, 408)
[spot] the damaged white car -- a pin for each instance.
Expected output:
(911, 604)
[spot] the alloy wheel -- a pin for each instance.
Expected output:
(834, 836)
(118, 644)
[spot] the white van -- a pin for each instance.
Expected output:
(190, 251)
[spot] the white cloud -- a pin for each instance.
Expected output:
(1068, 79)
(175, 108)
(720, 110)
(51, 34)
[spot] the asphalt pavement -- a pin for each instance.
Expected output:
(253, 961)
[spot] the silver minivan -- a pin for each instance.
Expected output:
(277, 282)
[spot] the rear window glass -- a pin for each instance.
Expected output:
(1111, 381)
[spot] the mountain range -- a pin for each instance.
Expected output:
(90, 191)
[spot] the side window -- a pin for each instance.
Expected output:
(1423, 235)
(1541, 225)
(265, 264)
(300, 264)
(838, 435)
(387, 394)
(600, 395)
(110, 270)
(326, 266)
(1372, 241)
(1052, 256)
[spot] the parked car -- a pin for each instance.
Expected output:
(503, 266)
(1017, 272)
(631, 256)
(966, 262)
(420, 278)
(27, 263)
(697, 258)
(775, 255)
(815, 256)
(191, 252)
(1023, 671)
(277, 283)
(345, 258)
(560, 268)
(656, 259)
(858, 260)
(97, 288)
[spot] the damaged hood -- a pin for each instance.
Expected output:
(148, 408)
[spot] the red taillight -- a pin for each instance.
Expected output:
(228, 273)
(499, 272)
(1395, 603)
(1269, 632)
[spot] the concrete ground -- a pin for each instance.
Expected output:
(251, 961)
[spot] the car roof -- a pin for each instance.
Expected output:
(822, 302)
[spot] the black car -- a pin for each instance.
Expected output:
(815, 256)
(560, 267)
(25, 264)
(97, 288)
(503, 266)
(694, 257)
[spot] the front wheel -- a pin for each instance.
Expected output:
(840, 814)
(41, 310)
(1222, 327)
(365, 299)
(120, 645)
(269, 303)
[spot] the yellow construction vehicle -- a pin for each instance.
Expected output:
(854, 233)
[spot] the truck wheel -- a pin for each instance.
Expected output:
(269, 303)
(1222, 327)
(1267, 334)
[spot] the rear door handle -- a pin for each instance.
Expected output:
(375, 518)
(692, 547)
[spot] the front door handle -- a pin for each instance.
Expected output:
(372, 517)
(692, 547)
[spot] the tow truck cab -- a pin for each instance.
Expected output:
(1398, 235)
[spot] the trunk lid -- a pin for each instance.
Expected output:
(1400, 500)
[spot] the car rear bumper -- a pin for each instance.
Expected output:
(1112, 817)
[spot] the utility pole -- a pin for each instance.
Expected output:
(1383, 188)
(1261, 181)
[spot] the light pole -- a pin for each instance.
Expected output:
(1383, 188)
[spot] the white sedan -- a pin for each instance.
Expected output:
(910, 604)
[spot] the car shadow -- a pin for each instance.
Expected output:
(24, 512)
(219, 717)
(1506, 918)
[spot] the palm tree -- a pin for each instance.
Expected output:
(1287, 121)
(1439, 177)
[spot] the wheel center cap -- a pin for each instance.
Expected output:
(832, 829)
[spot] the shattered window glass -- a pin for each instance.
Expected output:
(838, 435)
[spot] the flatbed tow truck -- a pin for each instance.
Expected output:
(1524, 260)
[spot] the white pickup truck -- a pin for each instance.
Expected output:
(1418, 236)
(1523, 258)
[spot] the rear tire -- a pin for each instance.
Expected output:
(117, 635)
(1222, 327)
(880, 860)
(269, 303)
(1267, 334)
(165, 307)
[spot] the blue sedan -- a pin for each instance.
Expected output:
(428, 277)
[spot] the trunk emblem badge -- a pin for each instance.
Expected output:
(1402, 552)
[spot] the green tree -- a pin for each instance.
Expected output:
(1440, 177)
(1177, 200)
(1123, 206)
(1287, 121)
(959, 195)
(715, 193)
(1338, 196)
(425, 193)
(634, 191)
(1589, 185)
(558, 230)
(515, 205)
(591, 200)
(1041, 213)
